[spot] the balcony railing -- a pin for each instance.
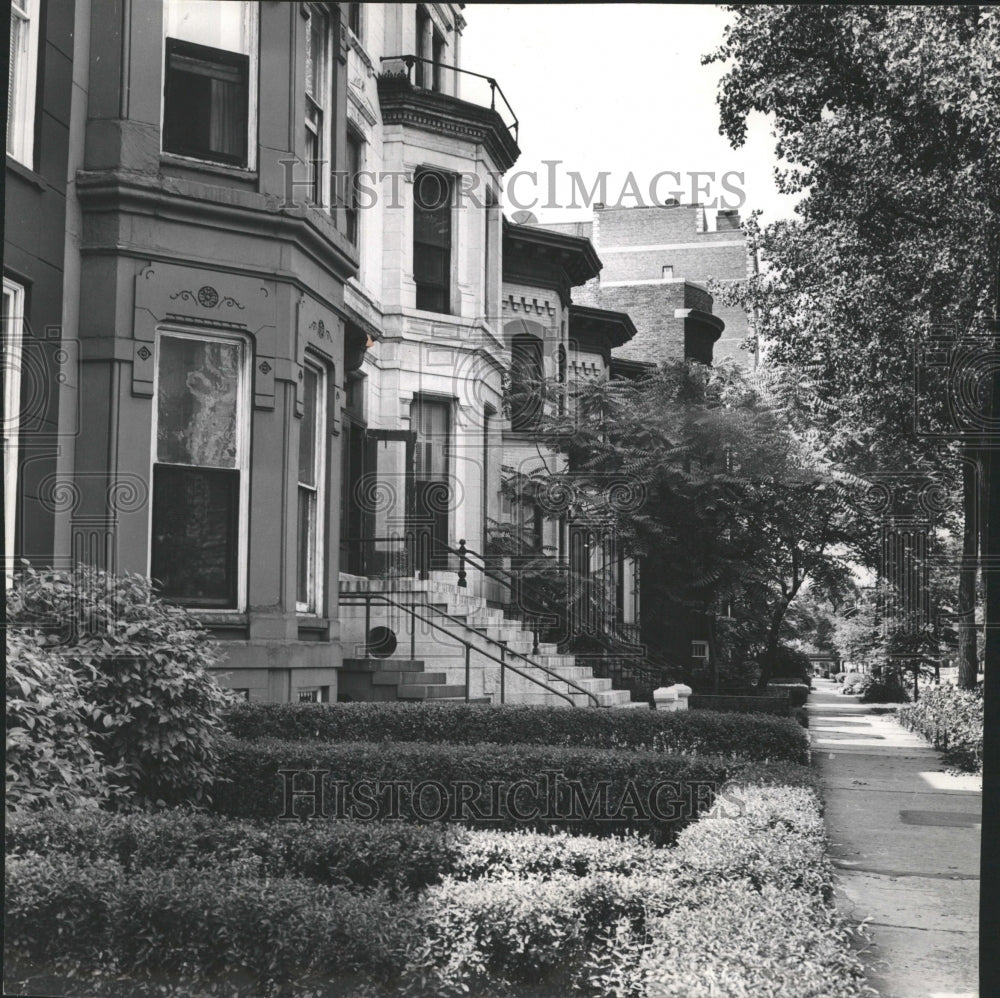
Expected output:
(428, 74)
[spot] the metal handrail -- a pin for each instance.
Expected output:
(411, 60)
(355, 596)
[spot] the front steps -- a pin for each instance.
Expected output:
(430, 666)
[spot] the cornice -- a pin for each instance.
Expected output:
(403, 104)
(233, 211)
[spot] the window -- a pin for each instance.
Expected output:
(210, 86)
(312, 470)
(437, 57)
(21, 79)
(313, 694)
(432, 198)
(199, 510)
(318, 94)
(527, 377)
(667, 273)
(421, 48)
(355, 160)
(489, 253)
(354, 20)
(699, 650)
(13, 326)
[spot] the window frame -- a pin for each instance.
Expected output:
(352, 214)
(13, 346)
(317, 536)
(323, 166)
(447, 288)
(24, 114)
(252, 55)
(244, 424)
(699, 650)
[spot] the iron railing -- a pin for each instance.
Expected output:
(426, 69)
(354, 596)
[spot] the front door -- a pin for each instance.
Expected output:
(432, 499)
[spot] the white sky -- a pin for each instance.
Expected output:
(618, 88)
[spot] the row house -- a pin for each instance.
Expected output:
(264, 330)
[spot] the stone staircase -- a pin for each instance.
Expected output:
(436, 668)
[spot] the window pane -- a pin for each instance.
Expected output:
(208, 22)
(18, 33)
(317, 30)
(198, 402)
(194, 548)
(206, 103)
(306, 532)
(307, 428)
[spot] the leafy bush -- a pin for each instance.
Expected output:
(840, 677)
(952, 720)
(153, 707)
(645, 790)
(759, 738)
(732, 938)
(221, 931)
(798, 693)
(401, 858)
(51, 761)
(792, 664)
(853, 682)
(884, 688)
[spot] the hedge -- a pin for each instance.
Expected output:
(752, 883)
(952, 720)
(761, 738)
(797, 692)
(219, 932)
(776, 704)
(401, 858)
(486, 785)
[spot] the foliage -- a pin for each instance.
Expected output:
(773, 703)
(399, 858)
(224, 932)
(798, 693)
(142, 665)
(676, 733)
(886, 117)
(539, 786)
(951, 719)
(886, 687)
(51, 757)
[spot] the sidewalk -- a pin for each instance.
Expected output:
(905, 840)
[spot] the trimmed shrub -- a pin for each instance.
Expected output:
(153, 707)
(798, 693)
(732, 938)
(776, 704)
(840, 677)
(220, 932)
(760, 738)
(51, 760)
(401, 858)
(477, 785)
(853, 682)
(886, 688)
(952, 720)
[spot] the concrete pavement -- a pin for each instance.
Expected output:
(905, 840)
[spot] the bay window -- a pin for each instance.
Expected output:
(200, 456)
(210, 84)
(311, 491)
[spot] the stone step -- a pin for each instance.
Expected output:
(443, 691)
(379, 664)
(395, 678)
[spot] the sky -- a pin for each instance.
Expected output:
(617, 88)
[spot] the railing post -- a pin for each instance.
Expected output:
(424, 545)
(503, 671)
(534, 631)
(413, 632)
(468, 654)
(462, 584)
(493, 95)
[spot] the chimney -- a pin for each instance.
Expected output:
(727, 219)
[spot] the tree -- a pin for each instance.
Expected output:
(887, 117)
(729, 504)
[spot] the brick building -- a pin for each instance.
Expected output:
(656, 261)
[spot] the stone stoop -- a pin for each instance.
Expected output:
(476, 617)
(398, 679)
